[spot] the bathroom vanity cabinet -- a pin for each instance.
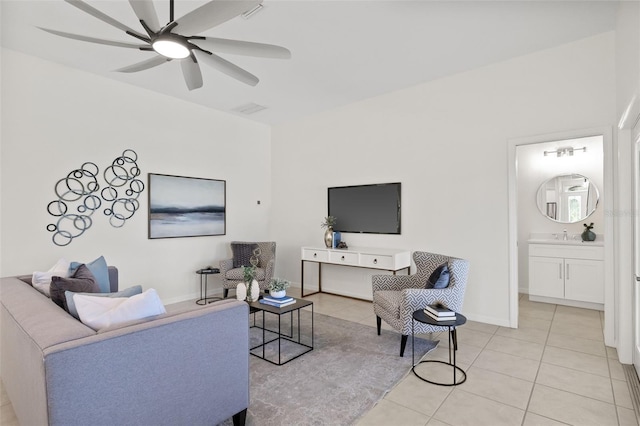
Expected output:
(567, 273)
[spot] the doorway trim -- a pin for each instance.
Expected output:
(609, 285)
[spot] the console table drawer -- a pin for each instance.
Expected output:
(372, 261)
(315, 255)
(345, 258)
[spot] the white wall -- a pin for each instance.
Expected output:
(533, 169)
(446, 141)
(55, 118)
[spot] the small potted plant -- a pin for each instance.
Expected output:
(329, 221)
(248, 275)
(588, 234)
(278, 287)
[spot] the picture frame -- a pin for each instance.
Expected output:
(181, 206)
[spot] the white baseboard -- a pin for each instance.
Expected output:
(487, 320)
(566, 302)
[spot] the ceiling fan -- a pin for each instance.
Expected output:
(172, 41)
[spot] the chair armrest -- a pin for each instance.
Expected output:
(269, 270)
(394, 282)
(414, 299)
(225, 265)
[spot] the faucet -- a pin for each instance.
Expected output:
(565, 237)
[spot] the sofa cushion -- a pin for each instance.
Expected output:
(242, 253)
(82, 281)
(71, 304)
(439, 278)
(100, 271)
(102, 312)
(42, 280)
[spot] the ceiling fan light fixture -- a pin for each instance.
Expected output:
(171, 48)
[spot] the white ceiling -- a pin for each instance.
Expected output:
(342, 51)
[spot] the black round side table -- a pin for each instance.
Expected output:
(422, 317)
(204, 275)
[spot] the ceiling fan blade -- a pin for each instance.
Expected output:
(144, 65)
(145, 11)
(191, 72)
(101, 16)
(93, 39)
(247, 48)
(213, 13)
(227, 67)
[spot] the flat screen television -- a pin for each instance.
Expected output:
(368, 209)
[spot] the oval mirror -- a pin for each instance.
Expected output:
(567, 198)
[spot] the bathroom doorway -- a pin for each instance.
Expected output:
(557, 160)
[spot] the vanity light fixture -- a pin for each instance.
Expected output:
(565, 152)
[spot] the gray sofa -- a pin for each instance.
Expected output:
(182, 368)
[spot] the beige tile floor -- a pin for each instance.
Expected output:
(553, 370)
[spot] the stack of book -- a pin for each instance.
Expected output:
(440, 312)
(278, 302)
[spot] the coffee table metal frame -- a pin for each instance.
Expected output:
(420, 316)
(256, 307)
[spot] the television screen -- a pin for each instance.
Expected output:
(370, 209)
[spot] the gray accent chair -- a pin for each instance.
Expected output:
(264, 271)
(397, 297)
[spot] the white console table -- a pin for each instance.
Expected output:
(361, 257)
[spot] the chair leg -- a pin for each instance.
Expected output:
(403, 344)
(378, 323)
(225, 292)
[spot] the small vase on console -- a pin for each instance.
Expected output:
(328, 223)
(328, 237)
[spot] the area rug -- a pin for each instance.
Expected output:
(348, 371)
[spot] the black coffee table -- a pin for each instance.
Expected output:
(257, 307)
(420, 316)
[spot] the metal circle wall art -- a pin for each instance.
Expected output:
(79, 197)
(122, 175)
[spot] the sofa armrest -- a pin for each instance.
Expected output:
(190, 368)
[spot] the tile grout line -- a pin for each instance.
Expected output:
(535, 379)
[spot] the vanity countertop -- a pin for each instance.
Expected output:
(573, 240)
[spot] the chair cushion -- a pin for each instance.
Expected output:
(242, 253)
(237, 275)
(439, 278)
(389, 301)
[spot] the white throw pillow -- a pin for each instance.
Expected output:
(41, 281)
(103, 312)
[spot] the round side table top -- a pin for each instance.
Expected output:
(208, 271)
(420, 316)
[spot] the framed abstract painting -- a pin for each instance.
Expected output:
(182, 206)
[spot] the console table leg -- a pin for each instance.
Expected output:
(302, 278)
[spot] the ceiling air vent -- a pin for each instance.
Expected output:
(249, 108)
